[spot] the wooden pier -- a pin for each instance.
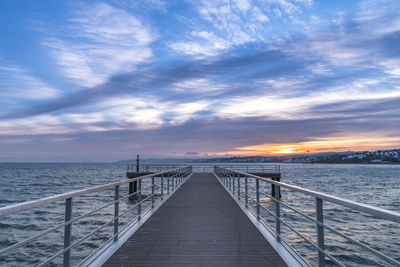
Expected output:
(200, 225)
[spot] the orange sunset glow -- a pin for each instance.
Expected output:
(317, 146)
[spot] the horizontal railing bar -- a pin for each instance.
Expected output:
(378, 212)
(30, 239)
(48, 200)
(111, 238)
(99, 228)
(348, 238)
(301, 235)
(122, 230)
(305, 238)
(91, 233)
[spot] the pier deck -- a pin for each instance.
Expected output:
(200, 225)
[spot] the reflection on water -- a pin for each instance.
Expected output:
(378, 185)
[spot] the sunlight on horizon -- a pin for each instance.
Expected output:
(318, 146)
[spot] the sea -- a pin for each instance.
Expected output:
(377, 185)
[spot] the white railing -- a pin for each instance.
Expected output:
(238, 183)
(168, 182)
(206, 168)
(151, 167)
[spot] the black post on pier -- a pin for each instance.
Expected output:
(137, 163)
(274, 175)
(278, 179)
(133, 185)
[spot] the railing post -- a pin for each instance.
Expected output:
(152, 192)
(278, 211)
(67, 232)
(116, 213)
(246, 191)
(233, 184)
(162, 186)
(169, 174)
(258, 198)
(238, 183)
(173, 181)
(320, 232)
(140, 200)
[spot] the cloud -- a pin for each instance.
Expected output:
(199, 85)
(238, 83)
(158, 81)
(17, 83)
(226, 24)
(264, 82)
(366, 41)
(206, 136)
(114, 41)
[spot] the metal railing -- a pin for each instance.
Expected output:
(250, 168)
(233, 180)
(151, 167)
(168, 180)
(262, 168)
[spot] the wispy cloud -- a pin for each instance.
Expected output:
(230, 23)
(17, 82)
(212, 77)
(104, 41)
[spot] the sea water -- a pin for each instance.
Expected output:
(377, 185)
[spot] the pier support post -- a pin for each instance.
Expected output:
(173, 181)
(278, 179)
(67, 232)
(233, 183)
(162, 186)
(152, 192)
(168, 183)
(238, 184)
(278, 212)
(320, 232)
(133, 187)
(258, 198)
(246, 192)
(139, 201)
(116, 212)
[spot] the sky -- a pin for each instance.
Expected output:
(107, 80)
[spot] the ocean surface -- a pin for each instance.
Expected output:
(377, 185)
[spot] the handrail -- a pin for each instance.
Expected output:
(48, 200)
(249, 168)
(261, 168)
(132, 168)
(230, 178)
(376, 211)
(178, 176)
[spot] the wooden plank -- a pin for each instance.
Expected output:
(200, 225)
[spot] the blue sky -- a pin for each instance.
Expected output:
(106, 80)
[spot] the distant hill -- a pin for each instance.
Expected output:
(156, 161)
(378, 156)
